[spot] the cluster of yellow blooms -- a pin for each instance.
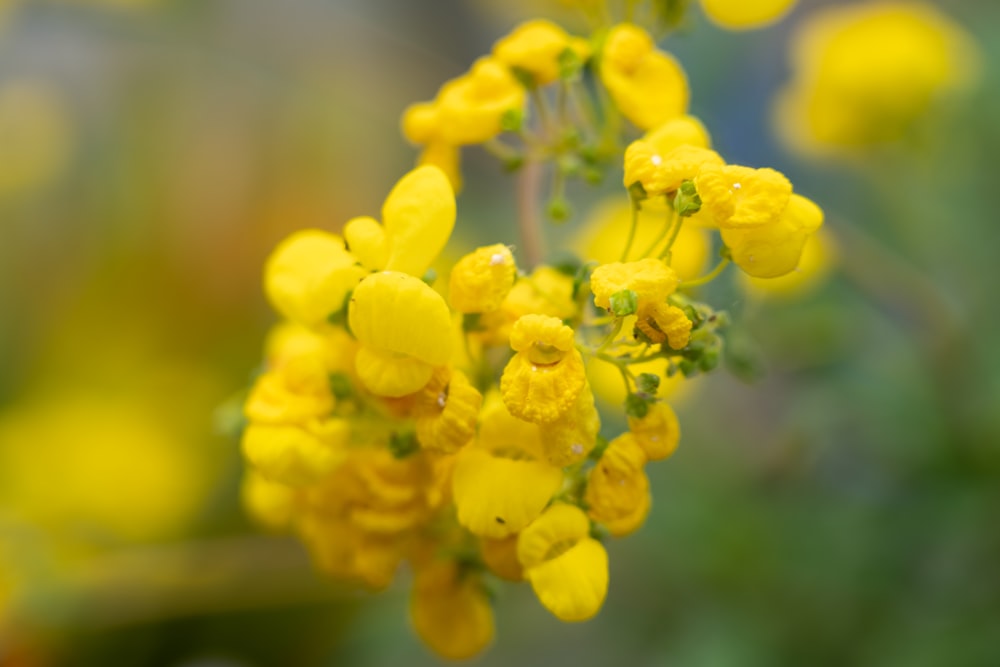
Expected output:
(452, 424)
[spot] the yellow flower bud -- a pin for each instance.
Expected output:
(676, 132)
(744, 15)
(774, 249)
(650, 279)
(647, 85)
(658, 432)
(481, 280)
(308, 276)
(567, 568)
(570, 438)
(618, 489)
(535, 47)
(450, 610)
(271, 504)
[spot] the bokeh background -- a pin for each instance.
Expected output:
(835, 500)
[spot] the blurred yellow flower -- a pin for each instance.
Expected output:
(864, 74)
(772, 250)
(535, 47)
(617, 487)
(819, 257)
(450, 610)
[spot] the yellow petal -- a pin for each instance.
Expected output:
(542, 393)
(819, 256)
(391, 374)
(617, 487)
(497, 496)
(418, 216)
(395, 312)
(662, 323)
(367, 242)
(650, 279)
(269, 503)
(570, 438)
(449, 422)
(560, 527)
(446, 157)
(535, 47)
(308, 276)
(741, 197)
(774, 249)
(472, 106)
(501, 557)
(680, 131)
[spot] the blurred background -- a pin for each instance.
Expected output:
(834, 500)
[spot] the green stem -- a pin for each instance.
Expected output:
(708, 277)
(631, 231)
(668, 225)
(666, 255)
(611, 336)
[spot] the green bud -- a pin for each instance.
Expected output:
(569, 165)
(430, 275)
(524, 77)
(569, 64)
(687, 202)
(648, 383)
(403, 444)
(513, 162)
(471, 322)
(625, 302)
(559, 210)
(636, 406)
(511, 120)
(687, 367)
(593, 175)
(637, 192)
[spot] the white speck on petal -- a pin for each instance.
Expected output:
(577, 448)
(657, 160)
(497, 259)
(736, 186)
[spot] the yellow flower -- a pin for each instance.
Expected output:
(343, 551)
(660, 173)
(617, 487)
(309, 275)
(446, 157)
(570, 438)
(481, 280)
(658, 433)
(469, 109)
(542, 381)
(865, 74)
(447, 412)
(737, 197)
(567, 568)
(745, 14)
(502, 481)
(819, 255)
(404, 327)
(773, 250)
(535, 47)
(451, 611)
(295, 454)
(417, 219)
(650, 279)
(663, 323)
(501, 557)
(647, 85)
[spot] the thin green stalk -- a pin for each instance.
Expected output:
(669, 224)
(708, 277)
(631, 231)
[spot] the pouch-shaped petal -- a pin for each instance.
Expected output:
(395, 312)
(418, 216)
(481, 280)
(680, 131)
(774, 250)
(568, 569)
(389, 373)
(497, 496)
(309, 275)
(658, 433)
(617, 487)
(738, 197)
(651, 280)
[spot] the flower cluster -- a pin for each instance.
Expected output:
(452, 424)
